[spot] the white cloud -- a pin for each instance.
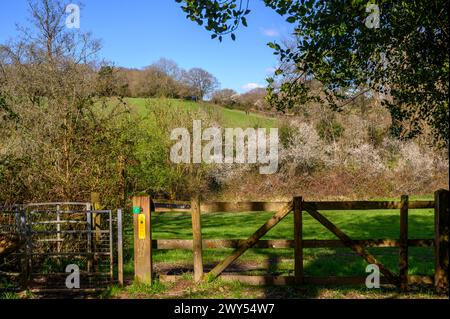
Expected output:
(271, 70)
(270, 32)
(251, 86)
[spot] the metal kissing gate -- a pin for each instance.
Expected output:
(59, 246)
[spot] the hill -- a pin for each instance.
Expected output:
(229, 117)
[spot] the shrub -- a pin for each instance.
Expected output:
(304, 150)
(329, 130)
(366, 158)
(225, 97)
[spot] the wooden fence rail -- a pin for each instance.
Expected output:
(168, 244)
(298, 207)
(235, 207)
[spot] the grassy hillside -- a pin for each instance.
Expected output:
(229, 117)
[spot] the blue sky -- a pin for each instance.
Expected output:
(136, 33)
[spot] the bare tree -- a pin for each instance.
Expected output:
(201, 82)
(59, 141)
(168, 67)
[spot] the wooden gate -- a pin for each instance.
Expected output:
(299, 207)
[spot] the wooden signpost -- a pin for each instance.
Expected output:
(142, 240)
(197, 239)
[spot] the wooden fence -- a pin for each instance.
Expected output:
(143, 243)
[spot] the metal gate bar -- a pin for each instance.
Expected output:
(56, 235)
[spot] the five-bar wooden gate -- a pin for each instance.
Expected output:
(144, 243)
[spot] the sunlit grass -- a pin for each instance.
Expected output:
(230, 117)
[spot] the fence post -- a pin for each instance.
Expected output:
(89, 258)
(96, 218)
(403, 262)
(26, 256)
(197, 238)
(142, 240)
(122, 180)
(298, 240)
(96, 225)
(441, 218)
(119, 248)
(111, 245)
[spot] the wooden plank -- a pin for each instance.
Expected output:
(142, 247)
(96, 205)
(376, 243)
(421, 204)
(219, 243)
(403, 262)
(172, 210)
(209, 207)
(246, 279)
(167, 244)
(359, 249)
(260, 280)
(122, 159)
(96, 225)
(420, 280)
(264, 280)
(171, 202)
(298, 240)
(173, 206)
(197, 239)
(119, 247)
(274, 220)
(441, 217)
(364, 205)
(241, 206)
(420, 242)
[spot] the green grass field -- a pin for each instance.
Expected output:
(230, 117)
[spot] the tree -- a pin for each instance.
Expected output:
(164, 78)
(59, 139)
(396, 49)
(167, 76)
(108, 83)
(226, 97)
(253, 99)
(168, 67)
(156, 83)
(201, 82)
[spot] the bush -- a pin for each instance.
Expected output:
(225, 97)
(329, 130)
(303, 152)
